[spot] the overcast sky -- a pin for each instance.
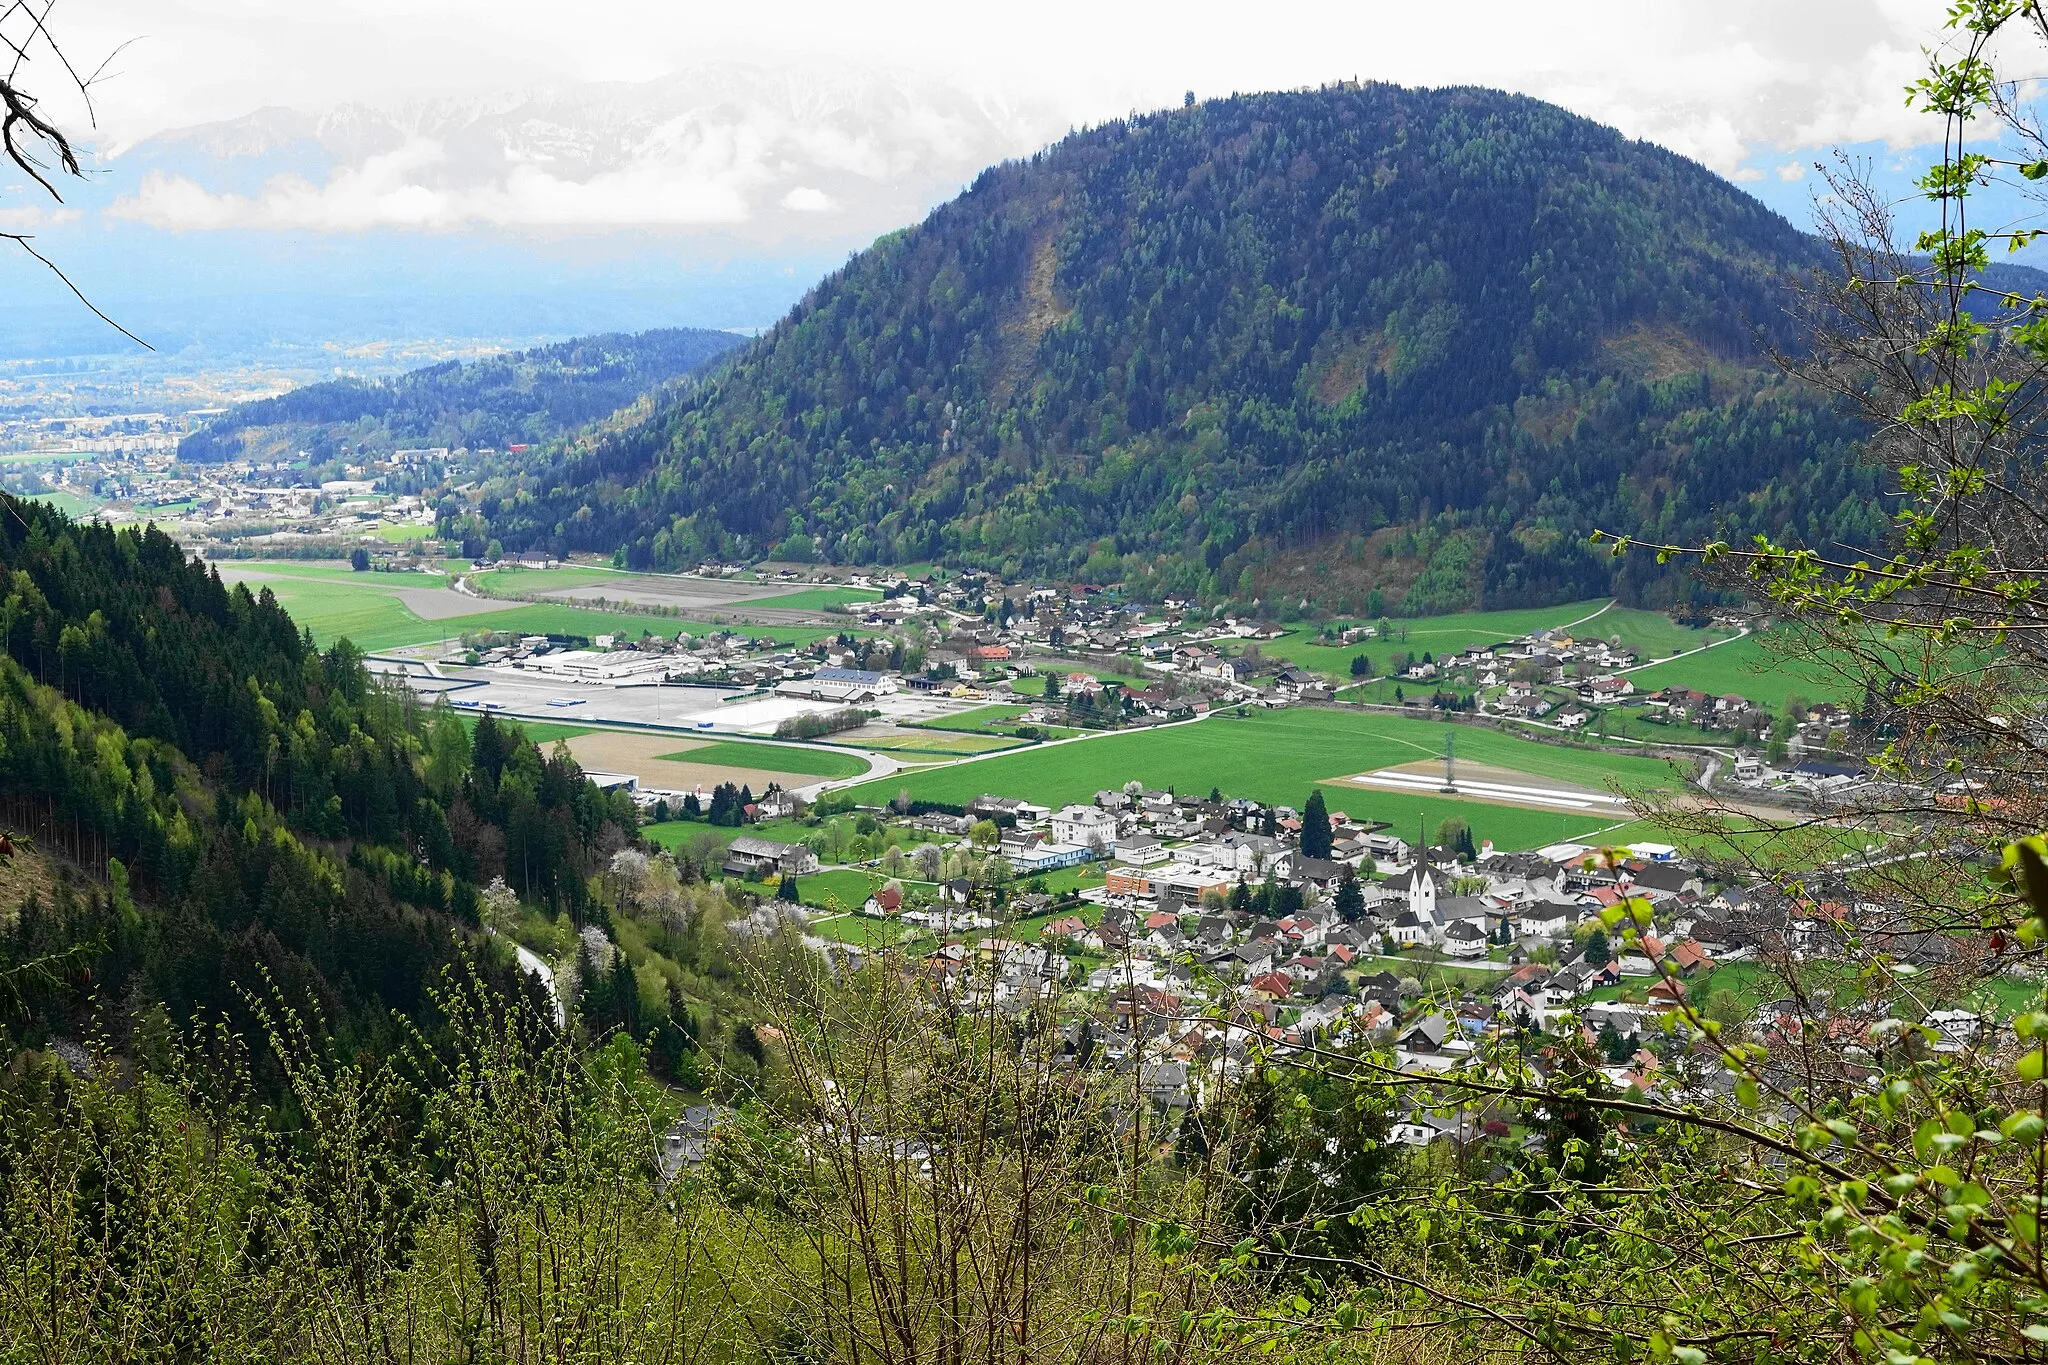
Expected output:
(1722, 81)
(794, 129)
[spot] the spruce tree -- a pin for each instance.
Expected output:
(1315, 827)
(1350, 900)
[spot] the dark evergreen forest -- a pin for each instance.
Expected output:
(250, 814)
(524, 397)
(1195, 348)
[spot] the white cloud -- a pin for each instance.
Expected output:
(721, 147)
(355, 200)
(851, 109)
(1791, 171)
(34, 217)
(1702, 78)
(804, 199)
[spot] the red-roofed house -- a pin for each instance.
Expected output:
(1273, 985)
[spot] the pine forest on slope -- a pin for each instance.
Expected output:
(1388, 348)
(523, 397)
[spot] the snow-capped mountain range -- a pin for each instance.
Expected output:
(779, 155)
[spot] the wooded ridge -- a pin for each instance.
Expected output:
(1421, 341)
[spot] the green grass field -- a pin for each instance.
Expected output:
(367, 609)
(1034, 686)
(675, 834)
(1279, 756)
(814, 599)
(981, 717)
(942, 743)
(70, 504)
(1064, 879)
(1651, 634)
(324, 571)
(1423, 634)
(850, 886)
(1750, 667)
(512, 581)
(863, 932)
(774, 758)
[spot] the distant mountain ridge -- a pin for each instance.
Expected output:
(1360, 348)
(798, 153)
(522, 397)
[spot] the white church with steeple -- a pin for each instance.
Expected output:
(1422, 882)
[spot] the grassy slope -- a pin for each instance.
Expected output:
(1651, 634)
(674, 834)
(1746, 666)
(70, 504)
(1279, 756)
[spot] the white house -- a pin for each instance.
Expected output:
(1139, 850)
(1084, 825)
(1465, 939)
(1546, 918)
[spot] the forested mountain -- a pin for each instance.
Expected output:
(233, 812)
(1360, 344)
(515, 399)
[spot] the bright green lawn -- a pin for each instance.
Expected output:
(70, 504)
(675, 834)
(774, 758)
(979, 718)
(321, 570)
(1034, 686)
(1279, 756)
(1749, 667)
(815, 599)
(850, 886)
(864, 932)
(1064, 879)
(1032, 929)
(547, 618)
(939, 742)
(331, 609)
(510, 580)
(401, 532)
(1418, 635)
(1385, 691)
(1651, 634)
(367, 610)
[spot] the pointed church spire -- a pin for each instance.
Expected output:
(1421, 884)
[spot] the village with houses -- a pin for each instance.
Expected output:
(1220, 930)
